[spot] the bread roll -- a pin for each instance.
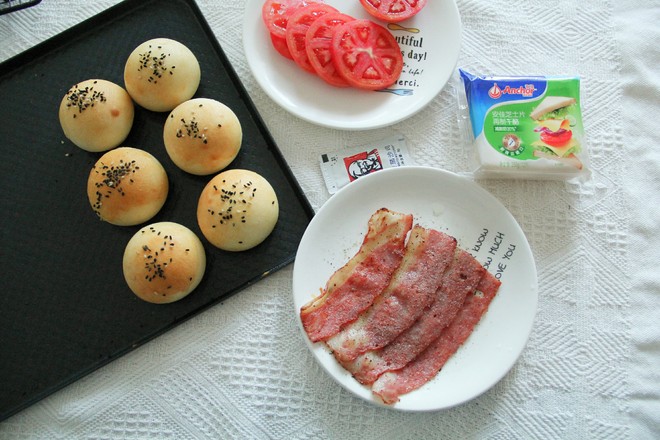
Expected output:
(161, 73)
(163, 262)
(127, 186)
(96, 115)
(237, 210)
(202, 136)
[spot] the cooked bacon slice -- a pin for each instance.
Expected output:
(411, 290)
(352, 288)
(422, 369)
(459, 280)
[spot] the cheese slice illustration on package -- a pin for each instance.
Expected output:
(526, 127)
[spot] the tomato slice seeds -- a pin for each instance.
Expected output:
(319, 47)
(366, 55)
(275, 14)
(393, 11)
(296, 31)
(340, 50)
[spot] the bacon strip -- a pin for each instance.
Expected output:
(411, 290)
(422, 369)
(460, 279)
(353, 288)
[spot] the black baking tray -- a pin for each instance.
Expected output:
(7, 6)
(65, 309)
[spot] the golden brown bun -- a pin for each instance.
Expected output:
(237, 210)
(161, 73)
(202, 136)
(127, 186)
(163, 262)
(96, 115)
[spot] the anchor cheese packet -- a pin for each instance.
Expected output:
(526, 127)
(343, 167)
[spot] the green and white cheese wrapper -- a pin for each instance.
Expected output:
(525, 126)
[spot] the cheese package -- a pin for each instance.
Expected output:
(525, 127)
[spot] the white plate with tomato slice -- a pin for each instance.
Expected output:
(428, 42)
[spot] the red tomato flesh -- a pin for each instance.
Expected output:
(366, 55)
(280, 46)
(275, 14)
(296, 31)
(556, 138)
(393, 11)
(319, 47)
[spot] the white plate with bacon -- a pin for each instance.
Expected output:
(483, 228)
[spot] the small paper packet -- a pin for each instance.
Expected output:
(343, 167)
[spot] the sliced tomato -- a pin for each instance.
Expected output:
(296, 31)
(556, 138)
(280, 46)
(319, 47)
(393, 11)
(366, 55)
(275, 14)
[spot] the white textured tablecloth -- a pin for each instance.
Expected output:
(591, 368)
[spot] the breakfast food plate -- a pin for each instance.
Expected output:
(482, 226)
(430, 44)
(65, 308)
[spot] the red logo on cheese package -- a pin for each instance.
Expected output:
(362, 164)
(526, 91)
(495, 92)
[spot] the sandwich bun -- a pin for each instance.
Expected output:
(551, 103)
(161, 73)
(127, 186)
(96, 115)
(164, 262)
(202, 136)
(237, 210)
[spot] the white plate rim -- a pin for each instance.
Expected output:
(257, 46)
(522, 327)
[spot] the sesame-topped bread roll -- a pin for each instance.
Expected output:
(202, 136)
(161, 73)
(96, 115)
(127, 186)
(237, 210)
(163, 262)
